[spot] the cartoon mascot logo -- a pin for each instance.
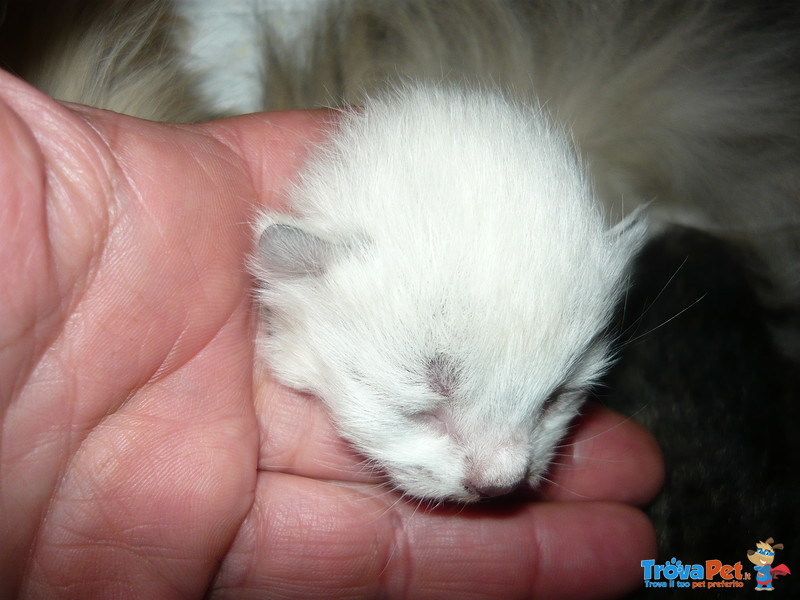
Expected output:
(763, 559)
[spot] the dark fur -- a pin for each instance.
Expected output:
(700, 370)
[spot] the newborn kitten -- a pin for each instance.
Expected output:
(441, 308)
(447, 272)
(445, 278)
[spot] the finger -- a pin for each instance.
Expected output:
(297, 436)
(273, 146)
(310, 539)
(607, 457)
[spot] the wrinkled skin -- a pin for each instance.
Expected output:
(143, 456)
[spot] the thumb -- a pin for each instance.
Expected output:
(273, 146)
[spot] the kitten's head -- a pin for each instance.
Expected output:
(450, 313)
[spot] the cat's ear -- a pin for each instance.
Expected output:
(287, 251)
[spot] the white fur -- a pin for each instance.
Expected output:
(472, 258)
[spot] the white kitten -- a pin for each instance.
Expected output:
(442, 309)
(445, 279)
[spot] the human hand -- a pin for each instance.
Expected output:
(141, 453)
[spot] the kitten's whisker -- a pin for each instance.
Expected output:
(593, 459)
(625, 419)
(652, 303)
(672, 318)
(565, 488)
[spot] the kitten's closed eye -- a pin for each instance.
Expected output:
(433, 420)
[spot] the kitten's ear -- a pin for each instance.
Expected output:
(289, 252)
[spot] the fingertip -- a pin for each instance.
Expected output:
(601, 546)
(607, 457)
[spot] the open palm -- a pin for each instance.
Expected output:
(143, 456)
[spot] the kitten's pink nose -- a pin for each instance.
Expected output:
(500, 472)
(490, 491)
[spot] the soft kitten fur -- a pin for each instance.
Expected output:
(435, 320)
(445, 280)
